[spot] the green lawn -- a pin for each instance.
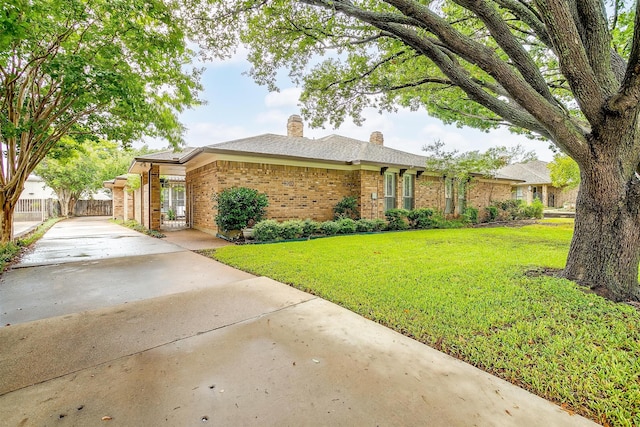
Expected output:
(477, 294)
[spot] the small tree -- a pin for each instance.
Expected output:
(564, 172)
(346, 208)
(238, 206)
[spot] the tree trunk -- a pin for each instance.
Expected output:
(605, 250)
(72, 205)
(7, 218)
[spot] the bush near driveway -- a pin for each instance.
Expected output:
(481, 295)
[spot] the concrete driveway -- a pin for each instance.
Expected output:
(110, 326)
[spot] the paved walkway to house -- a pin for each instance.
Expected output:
(108, 324)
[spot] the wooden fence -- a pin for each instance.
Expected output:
(93, 208)
(28, 210)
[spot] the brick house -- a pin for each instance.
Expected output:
(302, 177)
(535, 183)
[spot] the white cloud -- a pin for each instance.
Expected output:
(285, 98)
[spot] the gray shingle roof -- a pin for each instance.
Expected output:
(167, 156)
(332, 148)
(534, 172)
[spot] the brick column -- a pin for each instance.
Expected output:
(118, 203)
(155, 198)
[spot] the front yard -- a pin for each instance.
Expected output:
(479, 295)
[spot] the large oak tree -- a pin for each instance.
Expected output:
(114, 69)
(567, 71)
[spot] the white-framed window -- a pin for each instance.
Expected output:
(448, 195)
(389, 191)
(519, 193)
(407, 191)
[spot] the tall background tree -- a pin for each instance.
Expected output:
(77, 169)
(567, 71)
(114, 69)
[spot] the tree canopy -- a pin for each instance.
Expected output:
(113, 69)
(564, 172)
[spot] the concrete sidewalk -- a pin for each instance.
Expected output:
(247, 351)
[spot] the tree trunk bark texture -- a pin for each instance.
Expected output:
(605, 250)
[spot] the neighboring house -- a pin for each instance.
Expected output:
(302, 177)
(536, 184)
(36, 188)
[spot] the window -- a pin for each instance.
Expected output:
(519, 195)
(407, 191)
(462, 197)
(389, 191)
(448, 195)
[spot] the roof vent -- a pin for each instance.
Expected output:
(376, 138)
(295, 126)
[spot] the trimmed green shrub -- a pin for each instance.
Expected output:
(266, 231)
(237, 205)
(470, 215)
(309, 227)
(492, 212)
(291, 229)
(396, 219)
(534, 210)
(420, 218)
(346, 208)
(329, 228)
(346, 226)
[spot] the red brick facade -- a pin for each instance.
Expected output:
(299, 192)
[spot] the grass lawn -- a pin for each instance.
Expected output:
(475, 294)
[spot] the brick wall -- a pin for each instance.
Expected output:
(117, 195)
(293, 191)
(482, 193)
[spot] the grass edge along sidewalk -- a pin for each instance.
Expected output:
(481, 295)
(11, 250)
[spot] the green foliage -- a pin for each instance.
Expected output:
(492, 212)
(346, 208)
(309, 227)
(483, 299)
(171, 215)
(461, 166)
(237, 205)
(291, 229)
(470, 215)
(266, 231)
(370, 225)
(346, 226)
(329, 228)
(135, 225)
(420, 218)
(117, 69)
(564, 172)
(534, 210)
(396, 219)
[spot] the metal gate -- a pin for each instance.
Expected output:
(173, 198)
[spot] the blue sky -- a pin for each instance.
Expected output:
(237, 107)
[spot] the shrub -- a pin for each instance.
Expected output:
(420, 218)
(492, 212)
(470, 215)
(309, 227)
(266, 231)
(346, 208)
(329, 228)
(534, 210)
(346, 226)
(237, 205)
(365, 225)
(291, 229)
(396, 219)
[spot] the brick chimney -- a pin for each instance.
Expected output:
(376, 138)
(295, 126)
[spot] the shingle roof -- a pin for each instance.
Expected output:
(534, 172)
(168, 156)
(332, 148)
